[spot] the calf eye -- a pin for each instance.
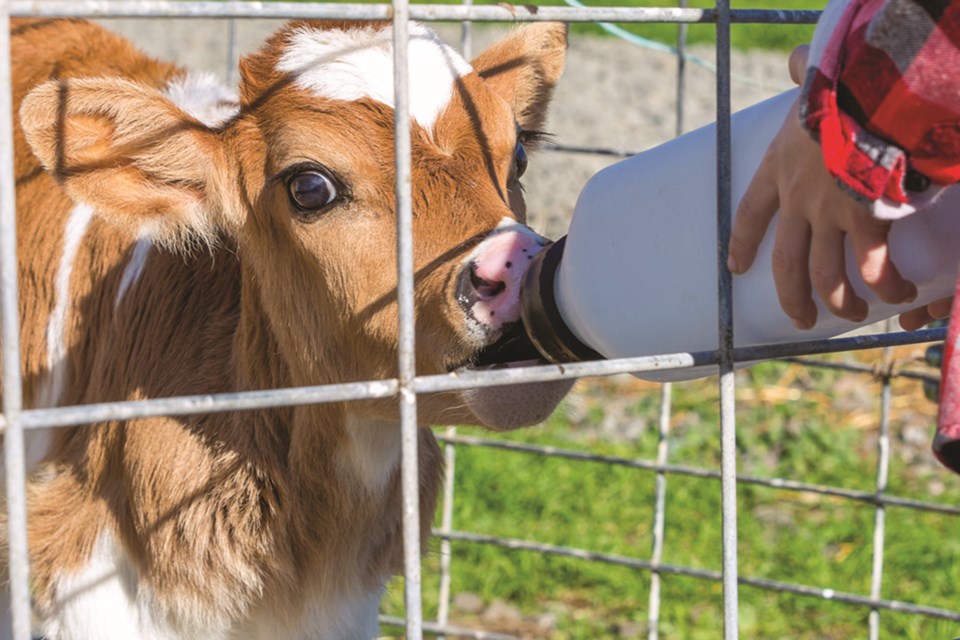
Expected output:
(312, 190)
(520, 155)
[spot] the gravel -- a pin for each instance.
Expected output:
(613, 95)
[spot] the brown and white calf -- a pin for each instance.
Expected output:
(175, 239)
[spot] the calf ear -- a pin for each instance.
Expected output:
(524, 67)
(130, 153)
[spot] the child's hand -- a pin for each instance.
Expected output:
(916, 318)
(815, 216)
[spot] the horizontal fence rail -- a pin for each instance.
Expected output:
(188, 405)
(704, 574)
(701, 472)
(425, 12)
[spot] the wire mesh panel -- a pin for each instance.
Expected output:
(408, 386)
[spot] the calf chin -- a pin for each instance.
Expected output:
(504, 408)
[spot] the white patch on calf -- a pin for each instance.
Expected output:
(203, 97)
(52, 387)
(49, 393)
(100, 600)
(134, 268)
(36, 446)
(343, 617)
(354, 64)
(373, 452)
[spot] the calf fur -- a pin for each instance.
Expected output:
(176, 238)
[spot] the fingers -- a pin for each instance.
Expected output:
(827, 269)
(798, 63)
(916, 318)
(870, 248)
(828, 275)
(757, 206)
(940, 309)
(816, 216)
(790, 272)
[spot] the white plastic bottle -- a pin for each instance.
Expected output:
(637, 274)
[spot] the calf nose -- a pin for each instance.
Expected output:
(489, 286)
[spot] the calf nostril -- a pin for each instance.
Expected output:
(486, 288)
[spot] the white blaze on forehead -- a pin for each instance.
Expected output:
(354, 64)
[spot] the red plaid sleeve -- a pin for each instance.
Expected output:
(882, 95)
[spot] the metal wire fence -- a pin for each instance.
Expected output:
(408, 385)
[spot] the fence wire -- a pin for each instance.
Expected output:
(408, 385)
(18, 568)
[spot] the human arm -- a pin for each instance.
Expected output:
(815, 215)
(833, 176)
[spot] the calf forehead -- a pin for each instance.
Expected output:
(350, 64)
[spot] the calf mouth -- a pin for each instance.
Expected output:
(512, 348)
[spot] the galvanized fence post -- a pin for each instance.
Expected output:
(13, 436)
(883, 468)
(728, 424)
(409, 428)
(659, 511)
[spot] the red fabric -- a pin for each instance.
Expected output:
(946, 444)
(838, 135)
(882, 98)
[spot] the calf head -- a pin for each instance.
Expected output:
(300, 180)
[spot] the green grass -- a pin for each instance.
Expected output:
(789, 426)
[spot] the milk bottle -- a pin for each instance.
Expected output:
(637, 272)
